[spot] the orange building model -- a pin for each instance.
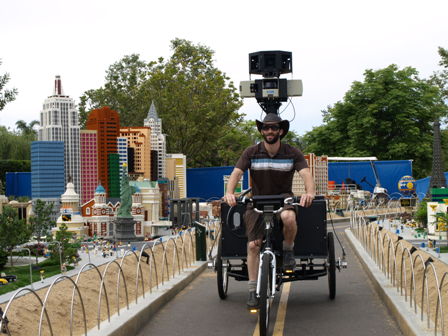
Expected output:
(107, 124)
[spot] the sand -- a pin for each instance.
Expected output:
(25, 311)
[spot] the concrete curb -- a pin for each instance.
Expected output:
(409, 322)
(131, 321)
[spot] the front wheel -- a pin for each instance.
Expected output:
(265, 294)
(223, 275)
(331, 260)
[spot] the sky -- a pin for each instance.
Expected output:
(332, 44)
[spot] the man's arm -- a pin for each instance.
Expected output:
(307, 198)
(235, 177)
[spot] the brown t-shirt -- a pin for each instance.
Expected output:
(271, 175)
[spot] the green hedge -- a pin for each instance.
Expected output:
(13, 166)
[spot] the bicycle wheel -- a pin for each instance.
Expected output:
(223, 275)
(265, 294)
(331, 260)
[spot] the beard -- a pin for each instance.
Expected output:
(274, 140)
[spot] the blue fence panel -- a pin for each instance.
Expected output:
(18, 184)
(208, 183)
(389, 173)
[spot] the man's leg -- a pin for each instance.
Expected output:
(253, 261)
(289, 232)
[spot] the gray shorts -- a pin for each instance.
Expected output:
(254, 221)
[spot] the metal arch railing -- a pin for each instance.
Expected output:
(48, 294)
(73, 296)
(374, 242)
(118, 297)
(12, 299)
(189, 257)
(425, 281)
(150, 268)
(136, 285)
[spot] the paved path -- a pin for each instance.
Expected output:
(357, 309)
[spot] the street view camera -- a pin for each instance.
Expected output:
(272, 90)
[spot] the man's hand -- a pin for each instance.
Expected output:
(229, 199)
(306, 200)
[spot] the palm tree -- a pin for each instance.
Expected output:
(27, 129)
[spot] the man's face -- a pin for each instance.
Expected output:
(271, 133)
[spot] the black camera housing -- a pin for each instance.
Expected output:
(270, 63)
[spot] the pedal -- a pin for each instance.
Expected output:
(254, 310)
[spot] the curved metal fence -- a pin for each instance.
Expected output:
(177, 242)
(398, 263)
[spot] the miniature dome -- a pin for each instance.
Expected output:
(100, 189)
(137, 189)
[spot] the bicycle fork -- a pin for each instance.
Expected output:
(273, 270)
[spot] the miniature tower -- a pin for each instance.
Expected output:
(438, 179)
(137, 210)
(59, 122)
(100, 213)
(158, 140)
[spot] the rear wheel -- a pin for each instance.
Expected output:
(265, 294)
(223, 275)
(331, 260)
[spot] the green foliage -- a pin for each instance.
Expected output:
(15, 145)
(6, 96)
(196, 101)
(27, 130)
(13, 166)
(23, 275)
(67, 251)
(41, 223)
(389, 116)
(421, 215)
(13, 231)
(2, 188)
(3, 259)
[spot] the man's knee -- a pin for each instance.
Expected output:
(289, 219)
(254, 246)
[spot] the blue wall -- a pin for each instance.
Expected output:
(18, 184)
(207, 183)
(389, 173)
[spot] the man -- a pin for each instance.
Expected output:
(272, 165)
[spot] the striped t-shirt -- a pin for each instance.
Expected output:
(271, 175)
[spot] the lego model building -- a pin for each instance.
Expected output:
(139, 139)
(107, 124)
(158, 141)
(319, 169)
(70, 214)
(89, 165)
(59, 122)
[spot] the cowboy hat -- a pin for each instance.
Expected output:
(272, 118)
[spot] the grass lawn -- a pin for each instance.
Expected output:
(51, 267)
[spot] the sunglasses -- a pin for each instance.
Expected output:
(275, 128)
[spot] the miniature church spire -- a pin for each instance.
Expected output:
(438, 179)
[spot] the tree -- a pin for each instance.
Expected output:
(389, 115)
(196, 101)
(13, 231)
(2, 189)
(67, 251)
(14, 145)
(41, 223)
(6, 96)
(28, 130)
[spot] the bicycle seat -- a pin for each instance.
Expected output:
(277, 201)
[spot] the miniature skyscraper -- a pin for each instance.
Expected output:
(158, 140)
(438, 179)
(59, 122)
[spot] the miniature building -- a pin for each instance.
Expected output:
(89, 167)
(139, 138)
(107, 124)
(24, 209)
(59, 122)
(319, 170)
(47, 173)
(99, 213)
(70, 214)
(137, 212)
(122, 148)
(114, 175)
(176, 166)
(158, 140)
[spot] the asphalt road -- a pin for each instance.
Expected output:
(356, 310)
